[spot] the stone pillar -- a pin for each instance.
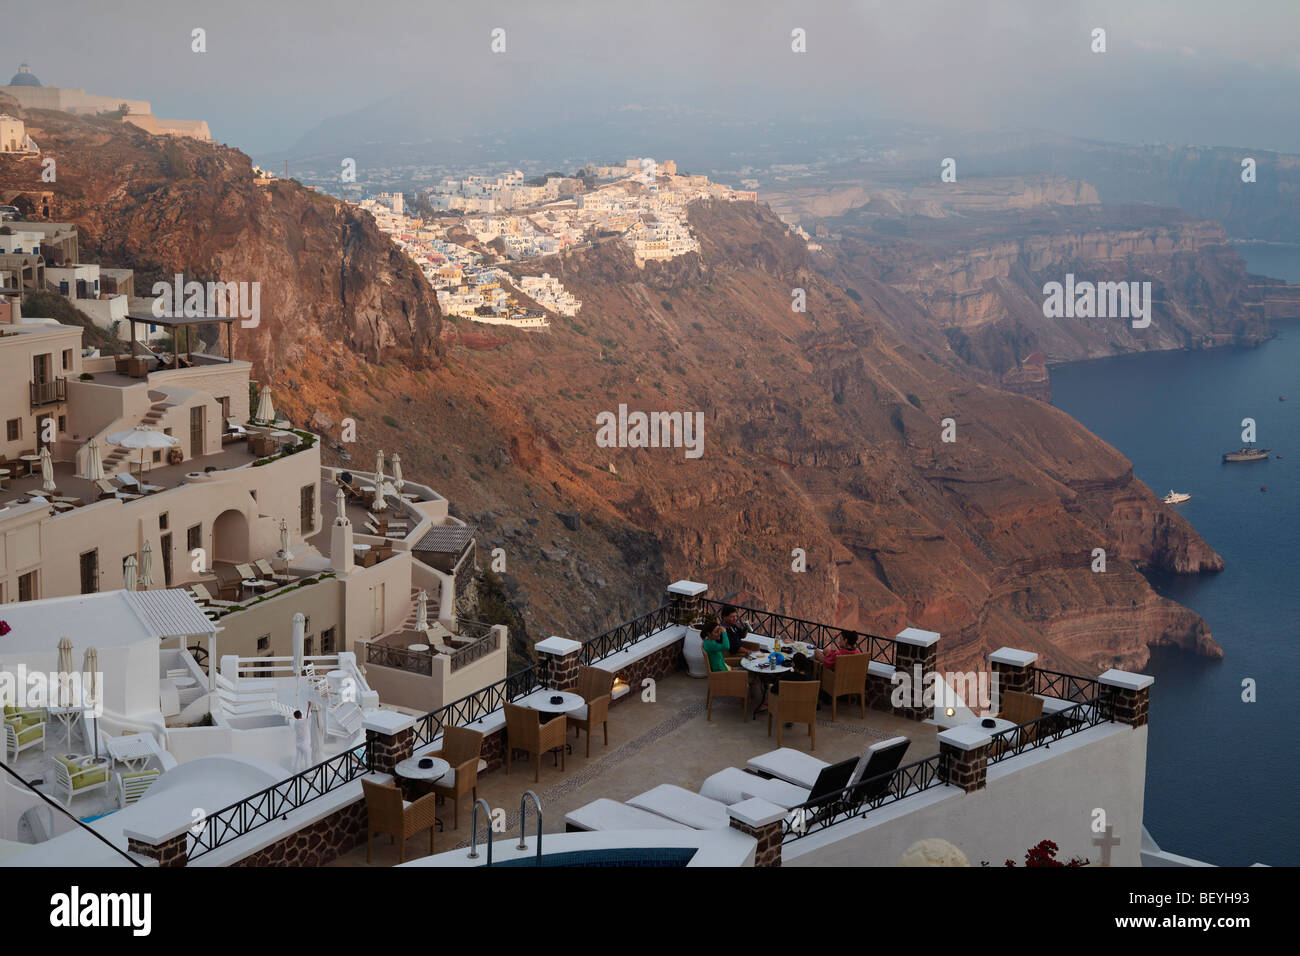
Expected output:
(341, 553)
(169, 848)
(1012, 669)
(1132, 695)
(557, 662)
(916, 654)
(687, 600)
(966, 749)
(390, 739)
(763, 821)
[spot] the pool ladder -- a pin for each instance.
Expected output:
(523, 827)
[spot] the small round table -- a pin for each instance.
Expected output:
(4, 473)
(410, 769)
(757, 665)
(31, 463)
(418, 648)
(540, 700)
(256, 584)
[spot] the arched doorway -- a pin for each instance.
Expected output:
(230, 537)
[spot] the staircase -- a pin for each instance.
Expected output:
(152, 418)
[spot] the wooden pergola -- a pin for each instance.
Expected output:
(175, 322)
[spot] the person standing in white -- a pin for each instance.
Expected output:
(302, 740)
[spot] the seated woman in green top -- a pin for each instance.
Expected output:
(714, 642)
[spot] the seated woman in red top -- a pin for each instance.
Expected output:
(848, 641)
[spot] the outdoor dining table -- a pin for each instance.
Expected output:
(256, 584)
(757, 664)
(67, 716)
(540, 700)
(4, 473)
(134, 750)
(31, 463)
(410, 769)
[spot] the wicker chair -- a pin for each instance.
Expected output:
(388, 813)
(596, 687)
(1020, 708)
(526, 732)
(796, 703)
(462, 748)
(847, 678)
(732, 683)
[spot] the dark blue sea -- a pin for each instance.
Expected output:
(1223, 775)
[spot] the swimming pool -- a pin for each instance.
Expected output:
(653, 857)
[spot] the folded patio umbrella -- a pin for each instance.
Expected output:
(265, 407)
(47, 470)
(94, 464)
(129, 581)
(146, 566)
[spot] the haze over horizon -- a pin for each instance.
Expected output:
(1199, 72)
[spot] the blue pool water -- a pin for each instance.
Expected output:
(655, 857)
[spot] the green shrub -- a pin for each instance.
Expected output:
(392, 422)
(86, 377)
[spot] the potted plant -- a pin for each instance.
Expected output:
(692, 645)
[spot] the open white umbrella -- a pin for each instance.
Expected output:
(398, 481)
(128, 573)
(422, 610)
(47, 470)
(141, 437)
(146, 566)
(265, 407)
(91, 695)
(94, 464)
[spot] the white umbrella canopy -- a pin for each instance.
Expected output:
(128, 573)
(65, 669)
(47, 469)
(265, 407)
(379, 503)
(146, 566)
(379, 465)
(94, 464)
(398, 481)
(90, 667)
(422, 611)
(284, 541)
(141, 437)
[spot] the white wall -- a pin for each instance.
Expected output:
(1042, 795)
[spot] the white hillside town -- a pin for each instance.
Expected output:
(513, 221)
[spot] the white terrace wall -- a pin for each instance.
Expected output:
(1046, 794)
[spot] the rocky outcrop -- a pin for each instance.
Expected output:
(331, 284)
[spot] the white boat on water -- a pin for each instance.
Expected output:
(1176, 497)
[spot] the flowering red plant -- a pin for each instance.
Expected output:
(4, 628)
(1044, 854)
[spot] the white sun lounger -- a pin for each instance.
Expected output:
(792, 766)
(733, 785)
(604, 814)
(691, 809)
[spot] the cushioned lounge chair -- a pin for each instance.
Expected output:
(676, 803)
(605, 814)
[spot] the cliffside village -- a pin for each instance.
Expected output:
(641, 203)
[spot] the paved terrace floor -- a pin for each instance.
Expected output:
(668, 741)
(165, 476)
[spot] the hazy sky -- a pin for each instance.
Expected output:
(1219, 72)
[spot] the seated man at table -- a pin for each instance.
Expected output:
(734, 629)
(713, 641)
(848, 644)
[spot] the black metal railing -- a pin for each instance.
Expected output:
(385, 655)
(1064, 686)
(791, 629)
(472, 629)
(625, 635)
(1046, 730)
(860, 798)
(274, 803)
(48, 393)
(480, 649)
(481, 703)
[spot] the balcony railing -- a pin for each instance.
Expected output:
(1065, 686)
(791, 629)
(622, 637)
(480, 649)
(416, 662)
(49, 393)
(275, 802)
(1050, 728)
(857, 800)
